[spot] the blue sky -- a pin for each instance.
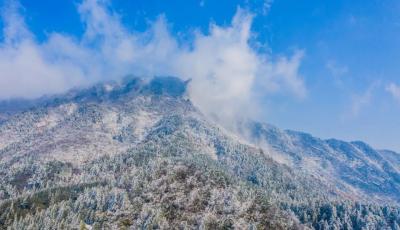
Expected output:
(337, 60)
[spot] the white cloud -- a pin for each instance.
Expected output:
(359, 102)
(225, 69)
(266, 6)
(394, 90)
(27, 69)
(284, 74)
(335, 69)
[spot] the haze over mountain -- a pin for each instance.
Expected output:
(138, 154)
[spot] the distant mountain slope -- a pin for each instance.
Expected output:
(355, 166)
(139, 155)
(392, 157)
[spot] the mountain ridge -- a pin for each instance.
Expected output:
(346, 159)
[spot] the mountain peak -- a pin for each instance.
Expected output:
(132, 86)
(171, 86)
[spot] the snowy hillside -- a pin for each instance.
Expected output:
(355, 167)
(137, 155)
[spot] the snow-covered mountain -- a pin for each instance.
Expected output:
(138, 154)
(355, 167)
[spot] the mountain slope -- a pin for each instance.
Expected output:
(138, 154)
(355, 166)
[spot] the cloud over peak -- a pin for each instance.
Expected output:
(227, 72)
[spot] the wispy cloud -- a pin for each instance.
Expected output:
(360, 101)
(335, 69)
(394, 91)
(266, 6)
(224, 67)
